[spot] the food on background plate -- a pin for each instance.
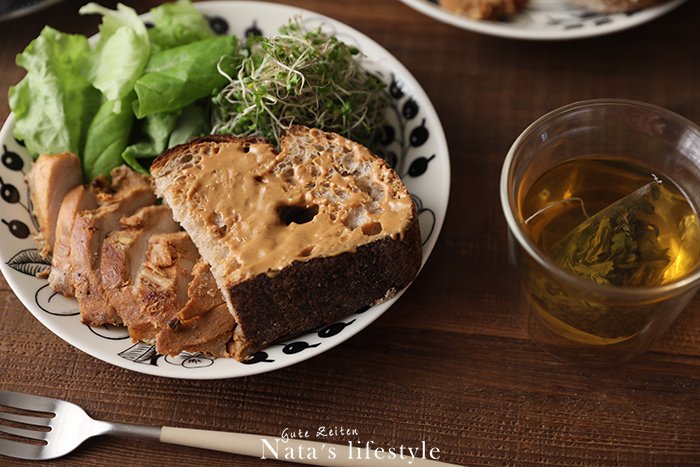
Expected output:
(484, 9)
(503, 9)
(297, 238)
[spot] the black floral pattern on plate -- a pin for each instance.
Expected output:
(110, 332)
(218, 24)
(47, 299)
(12, 160)
(401, 134)
(257, 357)
(10, 194)
(426, 217)
(566, 17)
(394, 137)
(146, 354)
(334, 329)
(298, 346)
(141, 353)
(253, 30)
(29, 262)
(190, 360)
(419, 166)
(17, 228)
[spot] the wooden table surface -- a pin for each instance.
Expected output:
(448, 363)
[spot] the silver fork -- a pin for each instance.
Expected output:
(68, 426)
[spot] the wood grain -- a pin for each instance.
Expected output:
(448, 363)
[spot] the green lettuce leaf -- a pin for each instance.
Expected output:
(177, 24)
(54, 102)
(175, 78)
(154, 132)
(122, 51)
(193, 122)
(130, 159)
(165, 130)
(108, 136)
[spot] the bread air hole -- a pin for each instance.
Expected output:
(217, 219)
(306, 252)
(372, 228)
(296, 214)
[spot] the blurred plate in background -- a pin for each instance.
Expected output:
(15, 8)
(547, 20)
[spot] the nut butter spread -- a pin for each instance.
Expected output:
(319, 197)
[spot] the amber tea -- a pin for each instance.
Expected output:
(613, 223)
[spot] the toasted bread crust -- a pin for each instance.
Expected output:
(163, 160)
(309, 294)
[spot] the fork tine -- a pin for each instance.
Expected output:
(39, 421)
(27, 401)
(20, 450)
(31, 434)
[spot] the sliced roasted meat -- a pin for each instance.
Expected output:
(124, 253)
(130, 192)
(202, 296)
(78, 199)
(204, 324)
(51, 177)
(162, 283)
(211, 334)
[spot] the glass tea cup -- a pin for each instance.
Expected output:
(572, 316)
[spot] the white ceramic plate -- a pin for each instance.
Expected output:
(417, 149)
(547, 20)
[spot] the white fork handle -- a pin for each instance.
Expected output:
(304, 452)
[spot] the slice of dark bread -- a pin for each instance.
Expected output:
(298, 238)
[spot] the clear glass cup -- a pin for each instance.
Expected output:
(659, 140)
